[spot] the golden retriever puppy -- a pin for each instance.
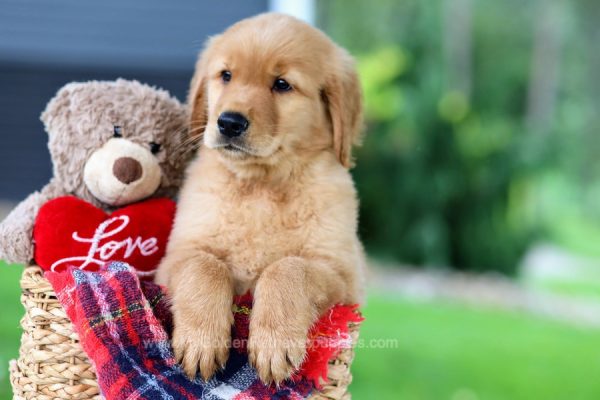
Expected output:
(268, 205)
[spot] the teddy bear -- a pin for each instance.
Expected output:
(112, 143)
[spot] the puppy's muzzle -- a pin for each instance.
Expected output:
(232, 124)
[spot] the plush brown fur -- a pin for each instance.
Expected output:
(80, 122)
(278, 218)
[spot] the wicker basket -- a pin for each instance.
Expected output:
(52, 365)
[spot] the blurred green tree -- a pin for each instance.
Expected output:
(461, 98)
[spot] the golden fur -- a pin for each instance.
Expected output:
(278, 218)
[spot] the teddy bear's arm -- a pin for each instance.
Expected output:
(16, 231)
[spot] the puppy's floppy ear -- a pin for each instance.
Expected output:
(197, 101)
(343, 98)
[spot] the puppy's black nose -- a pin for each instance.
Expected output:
(232, 124)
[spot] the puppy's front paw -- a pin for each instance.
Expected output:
(202, 345)
(276, 353)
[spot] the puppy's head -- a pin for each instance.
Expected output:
(272, 89)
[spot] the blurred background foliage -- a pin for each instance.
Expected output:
(482, 124)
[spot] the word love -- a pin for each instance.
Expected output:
(101, 249)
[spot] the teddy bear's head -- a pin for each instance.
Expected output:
(116, 142)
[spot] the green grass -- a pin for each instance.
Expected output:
(447, 351)
(576, 288)
(10, 331)
(437, 351)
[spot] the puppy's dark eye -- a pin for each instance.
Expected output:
(226, 76)
(154, 147)
(281, 85)
(117, 131)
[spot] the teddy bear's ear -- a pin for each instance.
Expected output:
(56, 113)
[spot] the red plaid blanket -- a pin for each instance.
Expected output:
(123, 323)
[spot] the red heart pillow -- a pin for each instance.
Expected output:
(71, 231)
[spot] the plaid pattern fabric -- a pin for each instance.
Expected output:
(123, 323)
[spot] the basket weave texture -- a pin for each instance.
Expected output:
(52, 365)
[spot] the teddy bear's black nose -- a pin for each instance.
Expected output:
(127, 170)
(232, 124)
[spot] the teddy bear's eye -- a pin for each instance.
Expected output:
(154, 147)
(117, 131)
